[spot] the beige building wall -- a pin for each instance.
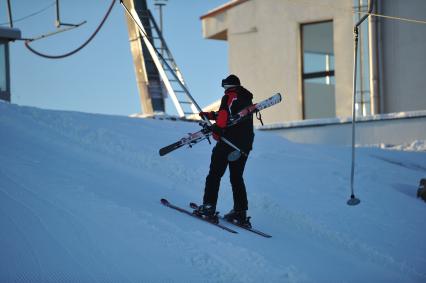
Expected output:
(402, 51)
(265, 48)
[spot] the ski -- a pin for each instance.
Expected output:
(168, 204)
(190, 139)
(193, 138)
(235, 119)
(195, 206)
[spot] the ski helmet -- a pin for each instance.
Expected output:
(231, 80)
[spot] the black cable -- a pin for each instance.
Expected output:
(79, 48)
(30, 15)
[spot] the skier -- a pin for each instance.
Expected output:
(235, 99)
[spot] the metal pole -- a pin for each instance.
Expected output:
(160, 12)
(58, 19)
(353, 200)
(160, 7)
(374, 64)
(9, 9)
(361, 65)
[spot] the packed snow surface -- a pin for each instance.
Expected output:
(80, 202)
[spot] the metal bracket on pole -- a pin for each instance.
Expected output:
(353, 200)
(58, 20)
(70, 27)
(58, 25)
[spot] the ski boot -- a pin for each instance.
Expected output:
(208, 212)
(238, 217)
(421, 192)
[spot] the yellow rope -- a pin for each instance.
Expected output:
(310, 3)
(393, 17)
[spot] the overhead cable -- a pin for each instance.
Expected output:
(31, 15)
(79, 48)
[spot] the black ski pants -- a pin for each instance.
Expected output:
(219, 163)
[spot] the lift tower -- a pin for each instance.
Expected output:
(157, 74)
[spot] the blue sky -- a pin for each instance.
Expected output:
(100, 78)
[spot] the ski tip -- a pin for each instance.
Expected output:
(164, 201)
(280, 95)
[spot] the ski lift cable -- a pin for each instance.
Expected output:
(31, 15)
(77, 49)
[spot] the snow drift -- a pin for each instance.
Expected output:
(80, 201)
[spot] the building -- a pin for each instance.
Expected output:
(6, 35)
(305, 49)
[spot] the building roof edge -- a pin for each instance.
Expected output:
(222, 8)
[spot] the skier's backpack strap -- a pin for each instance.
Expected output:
(259, 116)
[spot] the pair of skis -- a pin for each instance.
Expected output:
(217, 224)
(205, 133)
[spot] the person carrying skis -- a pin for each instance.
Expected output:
(241, 135)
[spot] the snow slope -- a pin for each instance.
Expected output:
(79, 202)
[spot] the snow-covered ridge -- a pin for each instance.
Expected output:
(79, 202)
(344, 120)
(417, 145)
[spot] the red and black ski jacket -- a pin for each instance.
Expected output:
(235, 100)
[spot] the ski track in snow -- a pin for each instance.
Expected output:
(79, 201)
(44, 234)
(323, 233)
(221, 261)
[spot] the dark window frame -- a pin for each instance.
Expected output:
(311, 75)
(5, 94)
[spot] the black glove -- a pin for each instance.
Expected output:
(209, 115)
(217, 130)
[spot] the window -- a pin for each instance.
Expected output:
(318, 70)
